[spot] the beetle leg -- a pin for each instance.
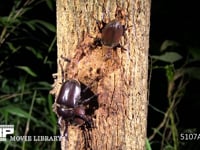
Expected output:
(108, 54)
(65, 133)
(88, 99)
(85, 118)
(120, 46)
(65, 59)
(59, 121)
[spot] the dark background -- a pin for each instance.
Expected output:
(176, 21)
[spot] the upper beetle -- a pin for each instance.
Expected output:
(112, 31)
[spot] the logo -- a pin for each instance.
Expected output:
(9, 129)
(5, 130)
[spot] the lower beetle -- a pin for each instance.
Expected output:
(70, 106)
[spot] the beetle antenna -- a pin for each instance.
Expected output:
(89, 99)
(61, 67)
(62, 72)
(65, 59)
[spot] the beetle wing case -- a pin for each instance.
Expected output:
(69, 94)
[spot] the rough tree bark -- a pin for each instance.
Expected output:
(120, 119)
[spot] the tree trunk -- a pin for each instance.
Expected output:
(120, 118)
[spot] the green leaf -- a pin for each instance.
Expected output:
(50, 4)
(44, 84)
(12, 47)
(195, 52)
(35, 23)
(7, 21)
(47, 25)
(27, 70)
(17, 112)
(169, 72)
(168, 43)
(148, 145)
(170, 57)
(35, 52)
(31, 25)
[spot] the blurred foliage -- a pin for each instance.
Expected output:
(174, 74)
(27, 60)
(179, 71)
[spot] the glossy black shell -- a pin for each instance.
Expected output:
(69, 94)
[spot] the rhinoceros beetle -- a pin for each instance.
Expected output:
(112, 31)
(70, 107)
(111, 34)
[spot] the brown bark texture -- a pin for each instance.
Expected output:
(119, 113)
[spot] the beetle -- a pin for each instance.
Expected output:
(111, 32)
(70, 106)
